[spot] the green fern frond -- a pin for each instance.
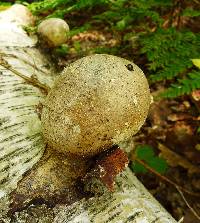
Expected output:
(184, 86)
(59, 8)
(46, 5)
(169, 52)
(126, 15)
(178, 67)
(153, 3)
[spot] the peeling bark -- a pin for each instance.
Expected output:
(21, 144)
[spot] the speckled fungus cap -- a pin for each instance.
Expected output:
(98, 101)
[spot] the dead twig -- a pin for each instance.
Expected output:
(31, 80)
(191, 209)
(23, 60)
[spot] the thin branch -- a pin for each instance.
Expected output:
(191, 209)
(31, 80)
(25, 61)
(181, 220)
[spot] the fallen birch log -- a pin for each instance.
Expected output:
(21, 144)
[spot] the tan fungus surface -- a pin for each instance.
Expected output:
(98, 101)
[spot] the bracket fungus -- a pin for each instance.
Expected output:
(53, 31)
(97, 102)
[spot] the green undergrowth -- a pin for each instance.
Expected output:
(165, 50)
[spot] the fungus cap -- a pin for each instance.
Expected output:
(98, 101)
(53, 31)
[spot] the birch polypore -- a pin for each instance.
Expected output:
(21, 145)
(96, 102)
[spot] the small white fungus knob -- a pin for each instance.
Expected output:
(53, 31)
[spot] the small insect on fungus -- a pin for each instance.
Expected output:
(130, 67)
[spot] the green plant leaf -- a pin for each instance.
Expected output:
(196, 62)
(144, 152)
(138, 168)
(158, 164)
(121, 24)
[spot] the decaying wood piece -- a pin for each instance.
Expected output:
(21, 144)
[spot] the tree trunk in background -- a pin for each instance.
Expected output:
(21, 144)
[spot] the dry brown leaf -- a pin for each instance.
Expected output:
(89, 36)
(196, 95)
(178, 117)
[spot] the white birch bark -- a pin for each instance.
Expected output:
(21, 144)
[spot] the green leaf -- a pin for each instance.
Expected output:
(138, 168)
(196, 62)
(144, 152)
(158, 164)
(121, 24)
